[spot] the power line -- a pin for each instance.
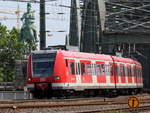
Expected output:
(31, 1)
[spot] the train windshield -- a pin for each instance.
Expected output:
(43, 64)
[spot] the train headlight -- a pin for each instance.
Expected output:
(56, 78)
(29, 79)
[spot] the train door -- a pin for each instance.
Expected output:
(108, 75)
(71, 78)
(122, 74)
(94, 77)
(112, 76)
(86, 71)
(116, 74)
(118, 77)
(100, 72)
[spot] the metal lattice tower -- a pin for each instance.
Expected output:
(75, 23)
(86, 24)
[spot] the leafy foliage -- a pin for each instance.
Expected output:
(11, 49)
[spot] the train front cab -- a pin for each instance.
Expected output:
(40, 73)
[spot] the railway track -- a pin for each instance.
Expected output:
(101, 107)
(79, 105)
(145, 97)
(129, 110)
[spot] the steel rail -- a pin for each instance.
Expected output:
(99, 99)
(23, 106)
(142, 108)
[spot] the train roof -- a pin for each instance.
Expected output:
(122, 59)
(83, 55)
(93, 56)
(43, 51)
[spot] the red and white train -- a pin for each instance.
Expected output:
(55, 73)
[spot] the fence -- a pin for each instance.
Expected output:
(11, 95)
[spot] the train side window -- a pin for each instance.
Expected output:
(98, 69)
(116, 67)
(77, 68)
(72, 69)
(129, 71)
(117, 70)
(103, 69)
(132, 71)
(82, 69)
(138, 72)
(135, 73)
(141, 72)
(111, 70)
(89, 69)
(66, 63)
(126, 70)
(94, 69)
(107, 70)
(121, 70)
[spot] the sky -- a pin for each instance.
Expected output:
(54, 20)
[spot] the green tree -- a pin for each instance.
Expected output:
(11, 49)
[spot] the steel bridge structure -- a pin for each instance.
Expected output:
(117, 27)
